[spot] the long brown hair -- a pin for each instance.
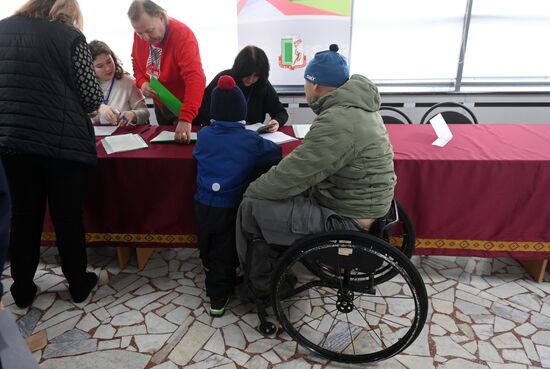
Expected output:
(65, 11)
(98, 48)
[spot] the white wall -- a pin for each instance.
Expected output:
(106, 20)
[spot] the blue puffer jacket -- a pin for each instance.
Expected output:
(226, 155)
(4, 220)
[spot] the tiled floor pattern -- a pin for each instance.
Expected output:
(484, 313)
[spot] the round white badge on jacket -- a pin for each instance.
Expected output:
(216, 187)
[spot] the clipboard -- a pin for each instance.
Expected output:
(165, 96)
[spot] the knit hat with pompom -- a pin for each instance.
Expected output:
(228, 102)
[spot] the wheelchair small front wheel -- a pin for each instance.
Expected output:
(267, 328)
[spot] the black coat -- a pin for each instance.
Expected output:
(261, 96)
(40, 109)
(4, 220)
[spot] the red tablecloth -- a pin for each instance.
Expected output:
(483, 194)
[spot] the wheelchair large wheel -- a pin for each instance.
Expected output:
(348, 317)
(400, 234)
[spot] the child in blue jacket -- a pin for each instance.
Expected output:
(226, 155)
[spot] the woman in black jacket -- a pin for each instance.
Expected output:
(251, 72)
(47, 141)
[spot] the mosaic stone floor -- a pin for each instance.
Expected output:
(482, 314)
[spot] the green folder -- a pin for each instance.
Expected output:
(166, 97)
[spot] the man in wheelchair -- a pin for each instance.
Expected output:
(341, 177)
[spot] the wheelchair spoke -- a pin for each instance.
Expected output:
(365, 319)
(308, 285)
(330, 330)
(350, 334)
(304, 298)
(377, 336)
(405, 298)
(386, 319)
(314, 319)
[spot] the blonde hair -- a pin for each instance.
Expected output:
(65, 11)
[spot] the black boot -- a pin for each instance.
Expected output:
(81, 289)
(23, 293)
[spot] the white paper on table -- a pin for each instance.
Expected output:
(254, 127)
(165, 136)
(101, 131)
(258, 127)
(169, 136)
(121, 143)
(278, 137)
(442, 130)
(300, 130)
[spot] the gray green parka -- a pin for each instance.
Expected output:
(346, 158)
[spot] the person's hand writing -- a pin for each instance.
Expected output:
(273, 125)
(148, 91)
(126, 118)
(108, 114)
(183, 132)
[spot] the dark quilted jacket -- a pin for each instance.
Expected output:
(40, 108)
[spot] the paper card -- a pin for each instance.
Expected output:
(169, 137)
(300, 130)
(101, 131)
(258, 127)
(254, 127)
(164, 136)
(441, 128)
(278, 137)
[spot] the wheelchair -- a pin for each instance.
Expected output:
(354, 297)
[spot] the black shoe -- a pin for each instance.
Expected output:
(79, 292)
(217, 307)
(23, 294)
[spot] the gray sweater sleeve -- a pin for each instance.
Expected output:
(84, 77)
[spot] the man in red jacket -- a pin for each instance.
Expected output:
(168, 50)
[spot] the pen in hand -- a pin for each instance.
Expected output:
(122, 120)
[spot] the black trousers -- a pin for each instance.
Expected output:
(165, 117)
(216, 238)
(33, 181)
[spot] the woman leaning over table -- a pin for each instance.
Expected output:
(251, 72)
(47, 142)
(123, 103)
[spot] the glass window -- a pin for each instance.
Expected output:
(508, 39)
(407, 40)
